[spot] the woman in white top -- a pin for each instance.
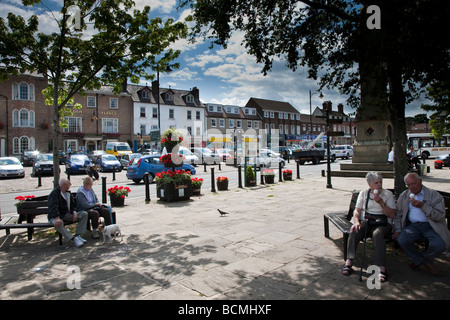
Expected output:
(377, 204)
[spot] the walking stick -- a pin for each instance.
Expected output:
(366, 225)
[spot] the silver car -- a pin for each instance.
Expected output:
(11, 167)
(206, 155)
(127, 157)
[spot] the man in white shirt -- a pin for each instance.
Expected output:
(421, 214)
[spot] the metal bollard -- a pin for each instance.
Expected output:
(240, 176)
(68, 174)
(104, 200)
(298, 169)
(204, 167)
(147, 188)
(114, 174)
(262, 177)
(220, 169)
(39, 178)
(280, 173)
(213, 184)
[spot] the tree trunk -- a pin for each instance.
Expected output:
(397, 110)
(55, 135)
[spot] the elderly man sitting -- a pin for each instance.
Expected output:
(421, 214)
(62, 209)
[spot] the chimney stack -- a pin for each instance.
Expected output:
(327, 105)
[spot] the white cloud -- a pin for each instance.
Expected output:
(165, 6)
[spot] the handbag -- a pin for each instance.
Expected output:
(374, 220)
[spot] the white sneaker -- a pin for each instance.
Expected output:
(77, 242)
(81, 239)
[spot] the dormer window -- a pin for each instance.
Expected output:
(189, 98)
(145, 94)
(168, 96)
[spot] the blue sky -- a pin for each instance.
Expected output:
(228, 76)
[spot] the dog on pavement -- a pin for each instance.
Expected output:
(110, 232)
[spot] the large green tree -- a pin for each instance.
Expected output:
(374, 57)
(94, 43)
(439, 93)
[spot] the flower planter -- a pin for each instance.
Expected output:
(287, 176)
(117, 201)
(269, 179)
(170, 192)
(251, 182)
(438, 165)
(222, 185)
(196, 192)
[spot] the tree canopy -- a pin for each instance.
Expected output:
(94, 43)
(377, 58)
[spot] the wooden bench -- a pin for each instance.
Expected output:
(343, 221)
(29, 210)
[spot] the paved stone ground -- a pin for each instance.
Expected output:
(270, 247)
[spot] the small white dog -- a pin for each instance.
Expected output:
(110, 231)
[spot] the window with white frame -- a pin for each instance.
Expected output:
(154, 113)
(142, 112)
(286, 115)
(298, 130)
(23, 91)
(72, 144)
(266, 114)
(213, 122)
(231, 123)
(256, 125)
(113, 103)
(23, 118)
(280, 128)
(171, 114)
(142, 129)
(222, 123)
(239, 124)
(280, 115)
(292, 129)
(297, 117)
(188, 114)
(169, 96)
(91, 102)
(110, 125)
(23, 143)
(249, 124)
(272, 114)
(74, 124)
(197, 115)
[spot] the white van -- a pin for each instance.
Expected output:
(118, 148)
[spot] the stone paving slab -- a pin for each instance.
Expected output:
(270, 247)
